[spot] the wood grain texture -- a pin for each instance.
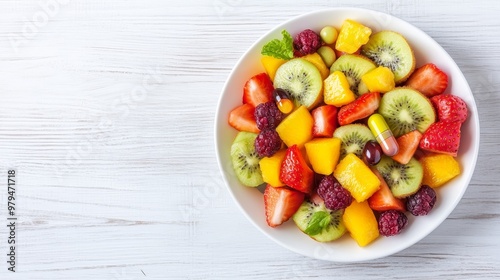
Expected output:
(107, 112)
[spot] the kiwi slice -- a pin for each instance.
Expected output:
(354, 67)
(402, 179)
(354, 138)
(302, 80)
(319, 222)
(390, 49)
(405, 110)
(362, 88)
(246, 160)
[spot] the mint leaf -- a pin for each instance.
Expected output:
(280, 49)
(318, 222)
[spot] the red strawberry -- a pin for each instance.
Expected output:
(361, 108)
(295, 172)
(242, 118)
(325, 121)
(408, 144)
(297, 53)
(281, 204)
(316, 198)
(450, 108)
(259, 89)
(429, 80)
(442, 137)
(383, 199)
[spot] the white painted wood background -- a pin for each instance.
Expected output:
(106, 113)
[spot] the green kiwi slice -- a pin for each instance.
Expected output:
(246, 160)
(402, 179)
(319, 222)
(405, 110)
(354, 67)
(390, 49)
(302, 80)
(354, 138)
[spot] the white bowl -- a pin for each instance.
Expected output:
(250, 200)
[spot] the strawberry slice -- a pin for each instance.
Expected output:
(281, 203)
(442, 137)
(450, 108)
(258, 89)
(408, 144)
(295, 172)
(325, 121)
(242, 118)
(383, 199)
(429, 80)
(361, 108)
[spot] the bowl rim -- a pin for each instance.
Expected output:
(280, 26)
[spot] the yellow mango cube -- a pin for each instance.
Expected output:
(439, 169)
(380, 79)
(296, 128)
(353, 174)
(337, 91)
(270, 168)
(271, 64)
(316, 59)
(361, 223)
(352, 36)
(323, 154)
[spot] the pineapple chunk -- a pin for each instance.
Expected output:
(296, 128)
(352, 36)
(361, 223)
(439, 169)
(337, 90)
(323, 153)
(271, 65)
(353, 174)
(316, 59)
(270, 168)
(380, 79)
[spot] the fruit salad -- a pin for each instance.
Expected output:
(343, 134)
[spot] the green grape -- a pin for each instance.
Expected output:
(328, 34)
(328, 55)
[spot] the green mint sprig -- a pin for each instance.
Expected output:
(318, 222)
(280, 49)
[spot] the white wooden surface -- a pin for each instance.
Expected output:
(106, 113)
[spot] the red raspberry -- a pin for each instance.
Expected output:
(307, 42)
(420, 203)
(334, 195)
(267, 115)
(391, 222)
(267, 143)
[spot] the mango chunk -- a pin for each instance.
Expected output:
(316, 59)
(352, 36)
(323, 154)
(361, 223)
(439, 169)
(353, 174)
(337, 91)
(296, 128)
(270, 168)
(271, 65)
(380, 79)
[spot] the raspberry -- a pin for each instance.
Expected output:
(307, 42)
(420, 203)
(334, 195)
(267, 143)
(391, 222)
(267, 115)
